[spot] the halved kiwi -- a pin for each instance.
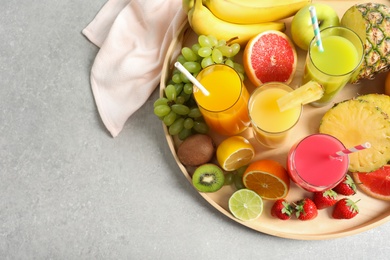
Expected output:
(208, 178)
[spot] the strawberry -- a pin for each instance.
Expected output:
(346, 187)
(324, 199)
(345, 209)
(282, 209)
(305, 209)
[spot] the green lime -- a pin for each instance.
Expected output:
(246, 205)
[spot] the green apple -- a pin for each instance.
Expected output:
(302, 29)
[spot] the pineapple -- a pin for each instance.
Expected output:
(380, 100)
(372, 23)
(355, 122)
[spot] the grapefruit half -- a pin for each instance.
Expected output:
(375, 184)
(270, 56)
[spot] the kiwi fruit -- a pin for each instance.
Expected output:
(208, 178)
(196, 150)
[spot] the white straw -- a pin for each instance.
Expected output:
(316, 28)
(353, 149)
(194, 81)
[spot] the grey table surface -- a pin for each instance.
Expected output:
(68, 190)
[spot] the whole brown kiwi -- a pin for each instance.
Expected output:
(196, 150)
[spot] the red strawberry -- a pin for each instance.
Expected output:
(305, 209)
(346, 187)
(345, 209)
(282, 209)
(324, 199)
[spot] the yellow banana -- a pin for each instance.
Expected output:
(254, 11)
(203, 22)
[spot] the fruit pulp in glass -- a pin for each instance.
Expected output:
(270, 125)
(313, 165)
(333, 67)
(225, 110)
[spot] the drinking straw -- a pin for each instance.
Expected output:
(194, 81)
(314, 22)
(353, 149)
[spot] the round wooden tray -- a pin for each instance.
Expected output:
(373, 212)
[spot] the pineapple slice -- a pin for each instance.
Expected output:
(303, 95)
(380, 100)
(357, 121)
(371, 22)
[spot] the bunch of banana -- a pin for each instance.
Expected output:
(204, 22)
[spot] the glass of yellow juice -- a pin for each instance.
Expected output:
(270, 125)
(333, 67)
(225, 109)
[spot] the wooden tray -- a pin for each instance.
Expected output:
(373, 212)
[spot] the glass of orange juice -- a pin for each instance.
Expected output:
(225, 109)
(270, 125)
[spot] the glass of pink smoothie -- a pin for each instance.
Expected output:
(311, 165)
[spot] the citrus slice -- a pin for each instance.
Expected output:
(270, 56)
(309, 92)
(245, 205)
(234, 152)
(268, 178)
(375, 184)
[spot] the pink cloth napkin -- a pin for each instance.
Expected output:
(133, 36)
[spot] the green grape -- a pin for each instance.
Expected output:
(229, 63)
(188, 88)
(204, 52)
(213, 40)
(195, 47)
(237, 180)
(176, 127)
(195, 113)
(235, 48)
(188, 54)
(226, 51)
(162, 110)
(217, 56)
(170, 92)
(204, 41)
(170, 118)
(241, 76)
(239, 68)
(228, 178)
(201, 127)
(181, 59)
(184, 133)
(180, 99)
(179, 88)
(160, 101)
(192, 66)
(185, 96)
(221, 43)
(176, 78)
(188, 123)
(207, 62)
(184, 78)
(180, 109)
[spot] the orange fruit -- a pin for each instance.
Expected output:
(268, 178)
(270, 56)
(375, 184)
(234, 152)
(387, 84)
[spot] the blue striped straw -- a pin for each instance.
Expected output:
(314, 22)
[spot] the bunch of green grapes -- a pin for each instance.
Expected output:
(177, 108)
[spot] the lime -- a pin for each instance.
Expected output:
(246, 205)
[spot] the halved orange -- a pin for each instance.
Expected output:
(268, 178)
(375, 184)
(234, 152)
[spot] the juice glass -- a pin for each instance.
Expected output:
(311, 165)
(225, 110)
(270, 125)
(333, 68)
